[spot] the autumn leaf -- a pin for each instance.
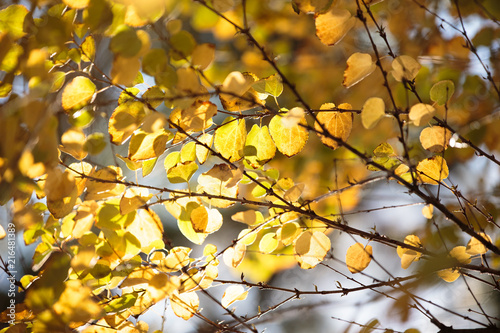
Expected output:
(289, 140)
(359, 66)
(78, 93)
(332, 26)
(230, 139)
(233, 294)
(358, 257)
(337, 124)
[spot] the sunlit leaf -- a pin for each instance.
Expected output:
(373, 110)
(230, 139)
(134, 198)
(474, 246)
(233, 294)
(78, 93)
(12, 20)
(421, 113)
(203, 55)
(144, 145)
(435, 138)
(432, 170)
(407, 255)
(405, 68)
(359, 66)
(288, 140)
(234, 255)
(358, 257)
(73, 141)
(268, 243)
(221, 180)
(185, 305)
(311, 248)
(259, 146)
(250, 217)
(337, 124)
(427, 211)
(332, 26)
(289, 232)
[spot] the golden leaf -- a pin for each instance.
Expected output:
(185, 305)
(435, 138)
(311, 248)
(405, 68)
(78, 93)
(359, 66)
(233, 294)
(230, 139)
(289, 141)
(373, 110)
(358, 257)
(474, 246)
(432, 170)
(408, 256)
(337, 124)
(421, 113)
(332, 26)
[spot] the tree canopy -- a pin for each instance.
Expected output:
(235, 163)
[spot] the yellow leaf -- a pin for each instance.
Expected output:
(109, 187)
(293, 194)
(206, 220)
(268, 243)
(221, 180)
(201, 151)
(147, 228)
(359, 66)
(61, 192)
(125, 70)
(203, 55)
(133, 198)
(474, 246)
(237, 93)
(288, 232)
(259, 146)
(311, 248)
(177, 258)
(80, 168)
(373, 110)
(2, 232)
(185, 305)
(196, 117)
(435, 138)
(405, 68)
(449, 274)
(408, 256)
(144, 146)
(126, 118)
(250, 217)
(293, 117)
(427, 211)
(459, 253)
(73, 140)
(233, 256)
(358, 257)
(247, 236)
(75, 303)
(313, 6)
(78, 93)
(233, 294)
(154, 122)
(188, 152)
(337, 124)
(332, 26)
(421, 113)
(77, 4)
(230, 139)
(289, 141)
(182, 172)
(432, 170)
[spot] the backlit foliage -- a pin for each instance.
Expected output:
(184, 155)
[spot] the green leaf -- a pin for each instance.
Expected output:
(442, 91)
(183, 44)
(271, 85)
